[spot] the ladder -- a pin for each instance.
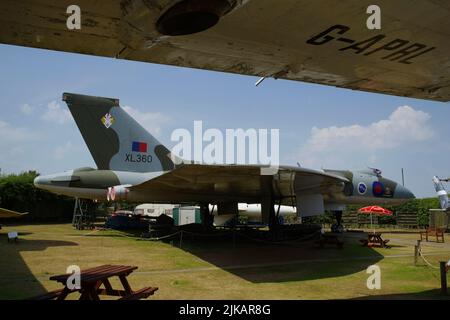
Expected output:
(83, 217)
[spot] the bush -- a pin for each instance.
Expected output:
(18, 193)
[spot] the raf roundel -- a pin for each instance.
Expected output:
(378, 189)
(362, 188)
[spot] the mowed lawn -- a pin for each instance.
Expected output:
(215, 269)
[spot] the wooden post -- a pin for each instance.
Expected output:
(181, 238)
(415, 255)
(416, 252)
(443, 277)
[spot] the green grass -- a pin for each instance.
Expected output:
(214, 269)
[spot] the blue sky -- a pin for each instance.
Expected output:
(320, 126)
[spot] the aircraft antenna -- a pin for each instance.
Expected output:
(257, 83)
(403, 178)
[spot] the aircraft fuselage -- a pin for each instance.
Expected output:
(363, 188)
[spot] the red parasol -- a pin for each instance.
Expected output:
(375, 210)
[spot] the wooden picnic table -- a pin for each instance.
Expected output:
(91, 281)
(374, 239)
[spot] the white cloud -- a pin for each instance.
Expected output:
(404, 126)
(11, 134)
(17, 151)
(61, 152)
(26, 109)
(54, 113)
(152, 121)
(13, 143)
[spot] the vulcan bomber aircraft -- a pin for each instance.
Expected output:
(132, 165)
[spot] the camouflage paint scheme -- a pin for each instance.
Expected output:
(137, 167)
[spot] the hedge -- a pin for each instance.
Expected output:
(18, 193)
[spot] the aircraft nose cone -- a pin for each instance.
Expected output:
(403, 193)
(37, 181)
(40, 181)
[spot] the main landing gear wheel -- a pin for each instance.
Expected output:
(206, 216)
(337, 227)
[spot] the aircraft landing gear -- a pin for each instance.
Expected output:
(337, 227)
(83, 214)
(207, 217)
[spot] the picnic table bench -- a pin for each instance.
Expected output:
(140, 294)
(433, 231)
(91, 281)
(49, 295)
(374, 239)
(330, 238)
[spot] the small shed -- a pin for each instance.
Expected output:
(186, 215)
(439, 218)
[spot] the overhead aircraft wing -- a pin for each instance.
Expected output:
(241, 183)
(5, 213)
(325, 42)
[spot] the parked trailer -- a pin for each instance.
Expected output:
(154, 210)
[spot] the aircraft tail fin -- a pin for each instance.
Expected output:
(442, 193)
(116, 141)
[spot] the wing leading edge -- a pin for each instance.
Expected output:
(241, 183)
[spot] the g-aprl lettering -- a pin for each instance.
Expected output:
(396, 50)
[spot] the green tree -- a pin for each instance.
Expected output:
(18, 193)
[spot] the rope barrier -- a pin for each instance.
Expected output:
(208, 235)
(161, 238)
(121, 234)
(299, 239)
(426, 261)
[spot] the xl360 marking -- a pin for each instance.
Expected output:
(129, 157)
